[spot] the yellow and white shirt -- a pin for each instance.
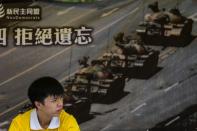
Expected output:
(29, 122)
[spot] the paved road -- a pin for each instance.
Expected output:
(146, 101)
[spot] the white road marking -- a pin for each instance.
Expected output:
(7, 52)
(66, 77)
(170, 122)
(110, 12)
(193, 16)
(65, 11)
(4, 123)
(37, 3)
(108, 126)
(33, 67)
(77, 18)
(137, 108)
(121, 18)
(172, 86)
(10, 109)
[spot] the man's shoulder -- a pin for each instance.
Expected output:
(68, 121)
(23, 116)
(64, 115)
(21, 121)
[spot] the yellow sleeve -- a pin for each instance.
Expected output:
(72, 124)
(14, 126)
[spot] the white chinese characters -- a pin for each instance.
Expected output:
(23, 36)
(43, 36)
(83, 36)
(52, 36)
(63, 36)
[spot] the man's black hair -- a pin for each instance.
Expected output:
(44, 87)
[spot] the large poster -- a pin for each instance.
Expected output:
(123, 64)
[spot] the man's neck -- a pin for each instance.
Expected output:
(43, 119)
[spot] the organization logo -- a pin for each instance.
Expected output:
(2, 11)
(27, 13)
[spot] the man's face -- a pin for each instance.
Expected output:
(51, 106)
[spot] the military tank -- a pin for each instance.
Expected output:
(79, 107)
(169, 27)
(96, 81)
(130, 57)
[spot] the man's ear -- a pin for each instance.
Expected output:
(38, 104)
